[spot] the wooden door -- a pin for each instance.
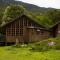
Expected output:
(26, 35)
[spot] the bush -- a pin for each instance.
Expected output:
(20, 46)
(57, 46)
(52, 43)
(42, 46)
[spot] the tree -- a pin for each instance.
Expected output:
(0, 18)
(12, 11)
(54, 15)
(1, 14)
(45, 21)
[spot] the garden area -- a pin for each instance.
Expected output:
(20, 20)
(9, 53)
(44, 50)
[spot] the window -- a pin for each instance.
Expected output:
(17, 32)
(8, 32)
(21, 28)
(15, 29)
(29, 23)
(13, 32)
(25, 22)
(21, 32)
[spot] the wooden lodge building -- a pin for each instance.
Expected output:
(25, 29)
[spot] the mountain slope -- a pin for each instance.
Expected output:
(29, 7)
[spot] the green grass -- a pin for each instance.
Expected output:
(12, 53)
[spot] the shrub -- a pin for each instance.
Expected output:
(16, 46)
(20, 45)
(57, 46)
(52, 43)
(42, 46)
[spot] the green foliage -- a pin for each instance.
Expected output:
(8, 52)
(41, 46)
(57, 43)
(20, 46)
(12, 11)
(44, 20)
(1, 14)
(30, 7)
(54, 15)
(47, 20)
(44, 45)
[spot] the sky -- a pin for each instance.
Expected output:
(44, 3)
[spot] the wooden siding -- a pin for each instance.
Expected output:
(35, 35)
(54, 31)
(58, 30)
(19, 29)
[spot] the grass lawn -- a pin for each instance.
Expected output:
(11, 53)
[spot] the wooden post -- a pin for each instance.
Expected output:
(15, 29)
(15, 35)
(17, 41)
(19, 27)
(6, 37)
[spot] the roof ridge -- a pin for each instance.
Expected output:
(54, 25)
(29, 16)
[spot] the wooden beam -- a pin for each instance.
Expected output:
(15, 29)
(6, 37)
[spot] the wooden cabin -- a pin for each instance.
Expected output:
(55, 30)
(24, 29)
